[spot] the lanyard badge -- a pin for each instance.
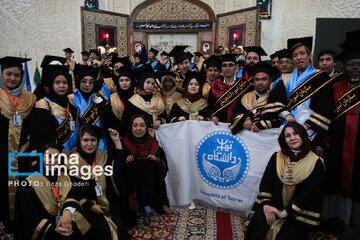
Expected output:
(72, 122)
(16, 117)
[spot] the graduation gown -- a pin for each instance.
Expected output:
(170, 99)
(89, 112)
(183, 107)
(342, 156)
(83, 196)
(155, 110)
(262, 111)
(50, 122)
(36, 209)
(295, 186)
(144, 176)
(12, 138)
(314, 91)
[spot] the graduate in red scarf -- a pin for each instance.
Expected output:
(226, 90)
(146, 165)
(192, 105)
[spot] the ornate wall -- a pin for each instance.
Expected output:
(246, 17)
(91, 18)
(39, 27)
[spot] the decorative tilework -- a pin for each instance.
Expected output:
(91, 18)
(172, 9)
(247, 17)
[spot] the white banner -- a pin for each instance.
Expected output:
(208, 164)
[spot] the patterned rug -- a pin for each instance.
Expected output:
(199, 223)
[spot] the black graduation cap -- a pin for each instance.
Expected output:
(124, 60)
(154, 51)
(48, 69)
(283, 53)
(113, 54)
(190, 75)
(83, 70)
(189, 55)
(125, 71)
(266, 68)
(307, 41)
(177, 50)
(164, 53)
(94, 51)
(257, 49)
(228, 58)
(138, 55)
(352, 38)
(160, 74)
(142, 73)
(351, 47)
(274, 55)
(68, 50)
(198, 54)
(17, 61)
(48, 59)
(213, 61)
(85, 53)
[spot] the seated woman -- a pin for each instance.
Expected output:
(90, 186)
(144, 101)
(54, 119)
(146, 165)
(192, 105)
(39, 203)
(86, 98)
(289, 203)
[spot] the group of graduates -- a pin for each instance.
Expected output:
(105, 112)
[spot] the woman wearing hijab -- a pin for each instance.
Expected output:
(146, 165)
(39, 207)
(15, 107)
(85, 98)
(90, 186)
(54, 118)
(116, 63)
(168, 89)
(289, 203)
(192, 105)
(144, 101)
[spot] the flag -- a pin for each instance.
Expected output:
(144, 57)
(214, 167)
(37, 78)
(28, 84)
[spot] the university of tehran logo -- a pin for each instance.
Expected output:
(222, 160)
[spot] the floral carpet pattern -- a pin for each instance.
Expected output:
(199, 223)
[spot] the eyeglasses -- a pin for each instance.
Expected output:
(227, 65)
(287, 61)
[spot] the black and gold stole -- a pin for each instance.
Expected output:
(307, 89)
(236, 91)
(346, 102)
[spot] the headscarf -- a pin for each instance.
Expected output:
(61, 100)
(125, 94)
(17, 91)
(192, 97)
(306, 145)
(140, 147)
(142, 75)
(84, 72)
